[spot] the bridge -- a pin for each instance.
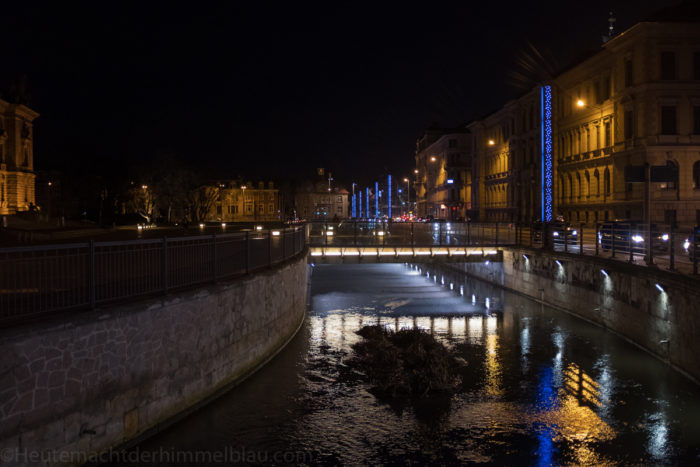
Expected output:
(381, 241)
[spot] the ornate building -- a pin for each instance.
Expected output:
(563, 148)
(245, 202)
(16, 158)
(635, 102)
(443, 174)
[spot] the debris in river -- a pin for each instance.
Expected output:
(409, 362)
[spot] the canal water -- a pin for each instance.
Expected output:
(540, 387)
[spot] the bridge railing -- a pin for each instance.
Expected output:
(40, 280)
(386, 233)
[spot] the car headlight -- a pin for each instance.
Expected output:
(555, 234)
(637, 238)
(664, 237)
(574, 232)
(686, 244)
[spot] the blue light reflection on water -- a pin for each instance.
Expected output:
(546, 401)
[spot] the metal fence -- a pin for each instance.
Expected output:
(406, 234)
(44, 279)
(671, 248)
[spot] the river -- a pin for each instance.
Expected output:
(540, 387)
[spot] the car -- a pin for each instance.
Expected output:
(559, 231)
(621, 234)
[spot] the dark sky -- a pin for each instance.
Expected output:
(259, 88)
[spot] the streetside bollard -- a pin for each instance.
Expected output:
(164, 265)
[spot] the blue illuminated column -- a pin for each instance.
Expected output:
(359, 197)
(376, 199)
(367, 191)
(388, 203)
(353, 206)
(546, 145)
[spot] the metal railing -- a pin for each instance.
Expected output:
(44, 279)
(409, 234)
(676, 250)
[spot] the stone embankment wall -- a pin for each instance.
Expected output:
(626, 300)
(86, 384)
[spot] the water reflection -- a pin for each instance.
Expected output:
(540, 387)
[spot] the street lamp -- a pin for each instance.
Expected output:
(433, 158)
(408, 194)
(491, 142)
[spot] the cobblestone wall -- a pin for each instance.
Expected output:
(97, 380)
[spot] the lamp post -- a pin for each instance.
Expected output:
(408, 194)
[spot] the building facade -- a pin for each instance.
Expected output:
(562, 149)
(635, 103)
(314, 201)
(17, 176)
(245, 202)
(443, 174)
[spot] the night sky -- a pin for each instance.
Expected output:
(275, 90)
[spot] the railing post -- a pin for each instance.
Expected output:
(213, 257)
(247, 252)
(284, 243)
(694, 239)
(440, 233)
(580, 239)
(650, 246)
(354, 233)
(566, 240)
(269, 248)
(597, 237)
(469, 233)
(165, 265)
(629, 244)
(496, 232)
(91, 276)
(412, 233)
(672, 253)
(612, 239)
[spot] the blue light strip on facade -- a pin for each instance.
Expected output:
(359, 197)
(367, 201)
(546, 145)
(388, 184)
(376, 199)
(353, 206)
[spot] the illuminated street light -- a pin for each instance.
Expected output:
(415, 171)
(580, 103)
(432, 159)
(491, 142)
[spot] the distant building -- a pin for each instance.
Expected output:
(245, 202)
(443, 177)
(320, 199)
(16, 158)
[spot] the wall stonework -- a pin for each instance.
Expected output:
(626, 301)
(98, 379)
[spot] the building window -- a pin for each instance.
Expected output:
(668, 65)
(219, 209)
(608, 134)
(271, 208)
(628, 73)
(452, 143)
(249, 208)
(629, 126)
(696, 175)
(696, 120)
(670, 217)
(340, 209)
(668, 120)
(261, 208)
